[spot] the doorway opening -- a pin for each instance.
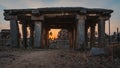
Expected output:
(58, 38)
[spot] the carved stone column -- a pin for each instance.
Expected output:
(31, 34)
(37, 18)
(86, 35)
(24, 32)
(92, 35)
(43, 37)
(14, 32)
(74, 37)
(47, 37)
(37, 28)
(101, 31)
(37, 33)
(70, 38)
(80, 39)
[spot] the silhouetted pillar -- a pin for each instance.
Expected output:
(44, 37)
(31, 34)
(80, 39)
(24, 32)
(70, 38)
(74, 38)
(14, 32)
(86, 36)
(47, 37)
(92, 35)
(101, 32)
(37, 18)
(37, 33)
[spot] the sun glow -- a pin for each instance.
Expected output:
(53, 33)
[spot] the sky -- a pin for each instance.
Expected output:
(23, 4)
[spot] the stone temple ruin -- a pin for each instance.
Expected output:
(76, 20)
(5, 37)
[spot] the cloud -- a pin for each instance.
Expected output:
(54, 3)
(107, 4)
(48, 1)
(1, 13)
(13, 4)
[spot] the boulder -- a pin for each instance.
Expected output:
(95, 51)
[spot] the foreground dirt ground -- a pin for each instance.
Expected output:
(52, 58)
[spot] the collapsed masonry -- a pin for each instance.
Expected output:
(76, 20)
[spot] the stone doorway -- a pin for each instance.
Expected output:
(61, 40)
(64, 22)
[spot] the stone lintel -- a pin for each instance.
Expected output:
(35, 11)
(79, 17)
(104, 18)
(9, 17)
(37, 18)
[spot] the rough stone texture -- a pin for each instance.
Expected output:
(86, 36)
(37, 39)
(24, 32)
(14, 32)
(61, 16)
(80, 31)
(97, 51)
(92, 39)
(31, 35)
(101, 32)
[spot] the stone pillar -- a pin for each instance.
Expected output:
(37, 18)
(101, 32)
(74, 37)
(47, 37)
(92, 35)
(24, 32)
(44, 37)
(71, 38)
(14, 32)
(80, 39)
(37, 33)
(86, 36)
(31, 33)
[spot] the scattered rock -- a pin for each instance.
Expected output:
(97, 51)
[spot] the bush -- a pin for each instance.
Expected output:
(116, 52)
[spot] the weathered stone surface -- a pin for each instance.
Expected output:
(59, 17)
(24, 32)
(37, 37)
(97, 51)
(92, 38)
(14, 32)
(80, 31)
(101, 31)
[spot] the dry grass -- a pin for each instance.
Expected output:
(53, 58)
